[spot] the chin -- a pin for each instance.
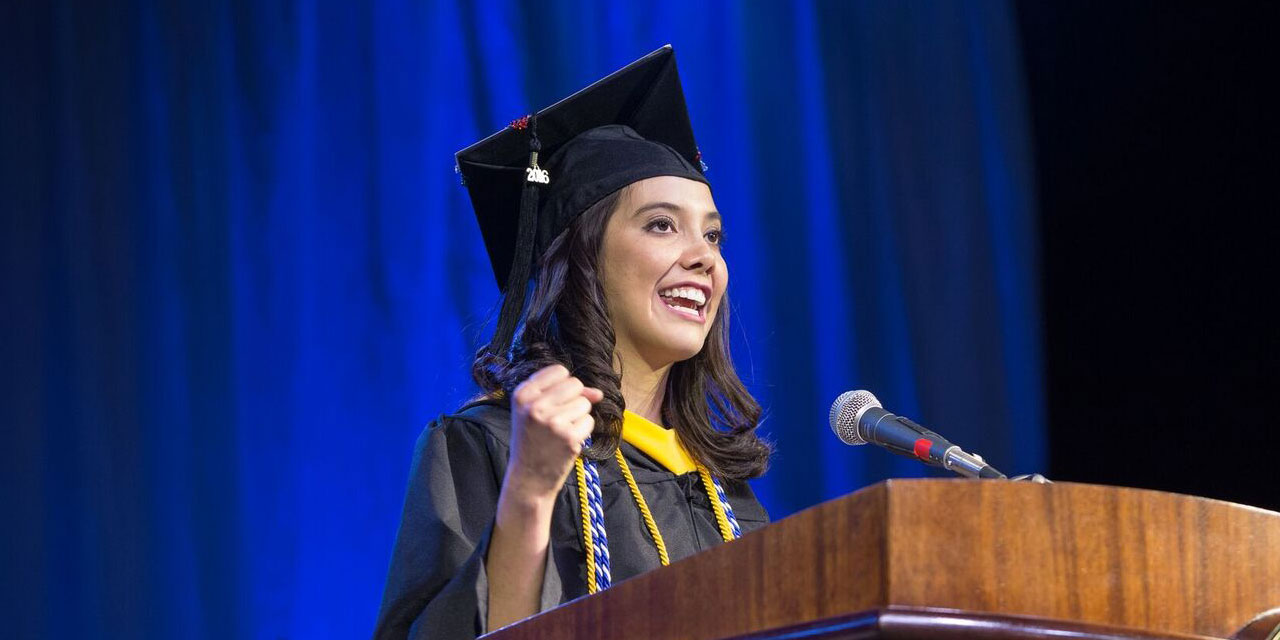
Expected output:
(676, 350)
(688, 354)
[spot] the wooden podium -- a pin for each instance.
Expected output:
(961, 559)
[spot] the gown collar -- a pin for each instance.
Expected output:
(656, 442)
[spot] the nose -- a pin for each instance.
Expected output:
(699, 257)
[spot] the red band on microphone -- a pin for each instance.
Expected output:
(922, 448)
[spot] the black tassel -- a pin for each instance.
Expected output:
(522, 260)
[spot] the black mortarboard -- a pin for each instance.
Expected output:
(530, 180)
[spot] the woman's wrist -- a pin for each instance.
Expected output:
(518, 551)
(521, 502)
(531, 483)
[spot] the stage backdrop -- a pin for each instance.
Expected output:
(240, 274)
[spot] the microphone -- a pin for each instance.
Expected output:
(858, 418)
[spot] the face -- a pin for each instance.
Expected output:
(661, 270)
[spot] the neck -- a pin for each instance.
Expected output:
(644, 387)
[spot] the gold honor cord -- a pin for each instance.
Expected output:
(722, 521)
(588, 541)
(644, 508)
(661, 445)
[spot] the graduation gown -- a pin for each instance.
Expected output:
(437, 585)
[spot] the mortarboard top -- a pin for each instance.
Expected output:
(530, 180)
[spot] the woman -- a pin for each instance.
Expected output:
(562, 478)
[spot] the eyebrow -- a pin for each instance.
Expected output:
(714, 215)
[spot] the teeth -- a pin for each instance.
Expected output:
(692, 313)
(688, 293)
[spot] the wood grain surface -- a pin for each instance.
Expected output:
(1119, 556)
(1082, 554)
(901, 623)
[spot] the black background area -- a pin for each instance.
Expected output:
(1156, 149)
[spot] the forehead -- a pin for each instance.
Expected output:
(689, 195)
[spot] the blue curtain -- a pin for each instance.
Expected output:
(241, 275)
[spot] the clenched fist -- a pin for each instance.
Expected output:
(550, 417)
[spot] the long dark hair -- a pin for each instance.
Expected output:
(566, 322)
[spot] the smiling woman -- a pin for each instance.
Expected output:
(664, 276)
(612, 435)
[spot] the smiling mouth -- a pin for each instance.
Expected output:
(685, 301)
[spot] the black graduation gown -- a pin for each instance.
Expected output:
(436, 586)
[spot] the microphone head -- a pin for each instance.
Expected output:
(846, 411)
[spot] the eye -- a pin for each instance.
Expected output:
(715, 236)
(660, 225)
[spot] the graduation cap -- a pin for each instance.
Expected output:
(529, 181)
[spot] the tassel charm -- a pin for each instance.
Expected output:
(534, 173)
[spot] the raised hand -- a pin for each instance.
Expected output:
(550, 418)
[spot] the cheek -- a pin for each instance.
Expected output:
(626, 295)
(616, 274)
(719, 284)
(631, 283)
(721, 278)
(640, 268)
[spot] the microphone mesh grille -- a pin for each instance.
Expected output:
(845, 411)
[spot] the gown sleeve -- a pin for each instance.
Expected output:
(437, 585)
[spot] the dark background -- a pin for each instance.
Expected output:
(1155, 142)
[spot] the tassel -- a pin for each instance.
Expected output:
(522, 258)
